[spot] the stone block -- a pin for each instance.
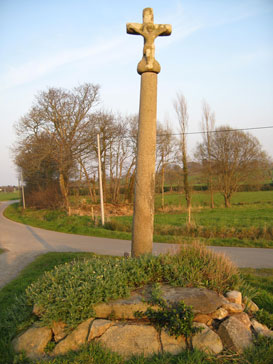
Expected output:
(250, 305)
(74, 340)
(203, 319)
(59, 330)
(207, 340)
(233, 308)
(33, 342)
(235, 335)
(219, 314)
(243, 318)
(172, 345)
(122, 308)
(261, 329)
(130, 340)
(234, 297)
(98, 328)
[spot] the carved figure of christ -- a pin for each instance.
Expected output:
(149, 31)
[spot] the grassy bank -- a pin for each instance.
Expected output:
(6, 196)
(15, 315)
(248, 223)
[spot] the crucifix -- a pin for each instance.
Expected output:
(148, 68)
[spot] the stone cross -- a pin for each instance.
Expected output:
(148, 68)
(149, 31)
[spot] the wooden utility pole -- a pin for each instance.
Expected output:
(148, 68)
(100, 182)
(23, 191)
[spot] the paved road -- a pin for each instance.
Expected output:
(23, 243)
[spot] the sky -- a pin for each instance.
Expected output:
(220, 51)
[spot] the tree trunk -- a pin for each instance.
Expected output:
(227, 201)
(64, 192)
(162, 186)
(211, 192)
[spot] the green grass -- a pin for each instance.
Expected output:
(15, 315)
(202, 199)
(248, 223)
(59, 221)
(6, 196)
(261, 283)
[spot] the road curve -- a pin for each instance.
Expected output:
(22, 243)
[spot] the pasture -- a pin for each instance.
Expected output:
(248, 223)
(6, 196)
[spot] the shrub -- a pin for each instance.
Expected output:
(69, 292)
(176, 318)
(49, 197)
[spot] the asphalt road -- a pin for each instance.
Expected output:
(22, 243)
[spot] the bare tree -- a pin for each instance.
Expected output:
(132, 122)
(103, 123)
(181, 108)
(208, 124)
(165, 149)
(236, 158)
(64, 116)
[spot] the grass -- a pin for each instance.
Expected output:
(261, 283)
(202, 199)
(59, 221)
(15, 315)
(6, 196)
(248, 223)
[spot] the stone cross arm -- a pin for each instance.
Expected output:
(158, 29)
(149, 31)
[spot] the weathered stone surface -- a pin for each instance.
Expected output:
(74, 340)
(250, 305)
(202, 300)
(130, 340)
(33, 341)
(207, 340)
(243, 318)
(172, 345)
(219, 314)
(59, 330)
(98, 328)
(234, 297)
(234, 334)
(203, 319)
(261, 329)
(233, 307)
(122, 308)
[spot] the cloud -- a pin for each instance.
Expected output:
(34, 69)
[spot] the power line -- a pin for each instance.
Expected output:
(211, 131)
(218, 131)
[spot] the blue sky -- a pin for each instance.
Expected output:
(220, 51)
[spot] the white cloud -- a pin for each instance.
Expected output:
(34, 69)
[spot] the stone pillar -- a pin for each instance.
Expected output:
(143, 219)
(148, 68)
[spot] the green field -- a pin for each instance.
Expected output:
(202, 199)
(16, 315)
(248, 223)
(6, 196)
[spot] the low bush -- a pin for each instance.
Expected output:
(49, 197)
(174, 317)
(100, 279)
